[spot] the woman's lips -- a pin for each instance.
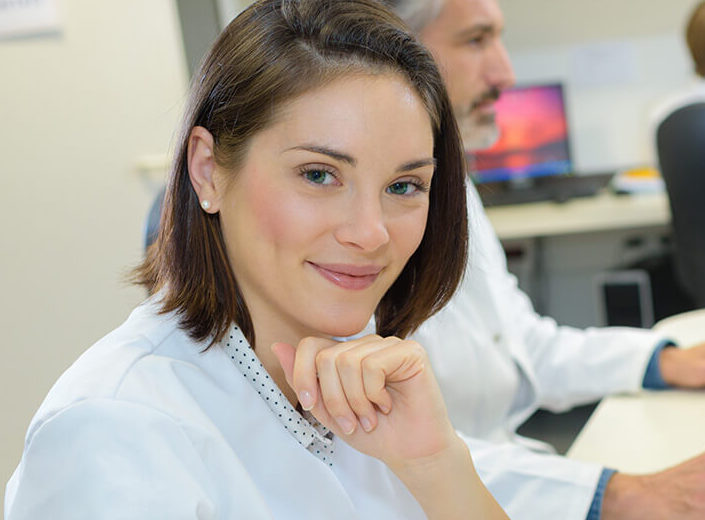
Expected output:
(348, 276)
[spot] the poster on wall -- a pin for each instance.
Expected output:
(21, 18)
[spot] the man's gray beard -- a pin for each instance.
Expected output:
(478, 133)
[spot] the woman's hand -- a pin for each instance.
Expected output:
(379, 394)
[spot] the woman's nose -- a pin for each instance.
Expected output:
(364, 225)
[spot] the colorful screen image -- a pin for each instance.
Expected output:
(533, 139)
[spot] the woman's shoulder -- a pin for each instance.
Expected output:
(162, 467)
(145, 401)
(149, 351)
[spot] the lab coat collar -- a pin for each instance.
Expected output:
(304, 428)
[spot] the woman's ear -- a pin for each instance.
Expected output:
(202, 168)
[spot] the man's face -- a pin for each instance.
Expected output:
(465, 40)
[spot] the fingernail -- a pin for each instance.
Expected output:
(384, 409)
(366, 424)
(345, 424)
(306, 399)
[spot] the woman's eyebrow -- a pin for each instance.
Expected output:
(340, 156)
(420, 163)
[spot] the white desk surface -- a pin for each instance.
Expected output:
(686, 328)
(603, 212)
(651, 430)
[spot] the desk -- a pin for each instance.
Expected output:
(559, 248)
(603, 212)
(648, 431)
(687, 328)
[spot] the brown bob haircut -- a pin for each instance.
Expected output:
(271, 53)
(695, 37)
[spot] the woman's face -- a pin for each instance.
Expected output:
(330, 203)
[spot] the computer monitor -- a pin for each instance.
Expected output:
(533, 140)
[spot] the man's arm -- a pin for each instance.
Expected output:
(535, 486)
(677, 492)
(683, 367)
(571, 366)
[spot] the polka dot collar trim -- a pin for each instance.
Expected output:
(305, 428)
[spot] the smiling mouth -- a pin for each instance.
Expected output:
(350, 277)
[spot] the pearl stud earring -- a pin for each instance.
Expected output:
(205, 204)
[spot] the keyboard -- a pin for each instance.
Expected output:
(557, 188)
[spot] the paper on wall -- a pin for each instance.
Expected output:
(20, 18)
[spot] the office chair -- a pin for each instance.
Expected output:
(680, 143)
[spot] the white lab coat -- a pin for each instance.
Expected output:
(144, 426)
(497, 361)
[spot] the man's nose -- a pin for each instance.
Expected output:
(500, 73)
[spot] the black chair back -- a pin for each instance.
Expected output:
(680, 143)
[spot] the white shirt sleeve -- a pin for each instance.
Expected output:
(568, 366)
(533, 486)
(108, 459)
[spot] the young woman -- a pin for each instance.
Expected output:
(319, 180)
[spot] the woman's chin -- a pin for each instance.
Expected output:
(346, 329)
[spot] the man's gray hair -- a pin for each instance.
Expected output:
(416, 13)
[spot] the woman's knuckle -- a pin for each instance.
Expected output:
(325, 359)
(368, 364)
(415, 347)
(348, 362)
(358, 402)
(335, 404)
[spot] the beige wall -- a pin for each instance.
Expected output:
(550, 22)
(77, 110)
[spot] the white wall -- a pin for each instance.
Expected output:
(616, 59)
(77, 111)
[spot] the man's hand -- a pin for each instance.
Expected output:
(674, 493)
(683, 367)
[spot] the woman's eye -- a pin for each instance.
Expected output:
(402, 188)
(318, 176)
